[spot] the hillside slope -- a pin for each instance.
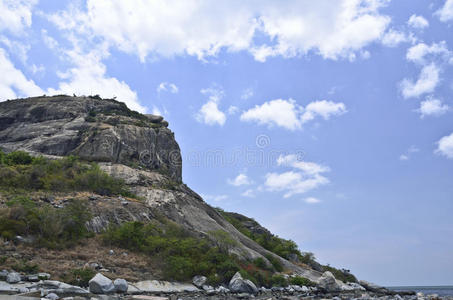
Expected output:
(137, 149)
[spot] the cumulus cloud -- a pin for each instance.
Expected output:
(279, 112)
(432, 107)
(247, 93)
(13, 82)
(446, 12)
(417, 22)
(420, 52)
(250, 193)
(210, 113)
(241, 179)
(88, 76)
(323, 108)
(426, 82)
(232, 110)
(306, 176)
(203, 28)
(393, 38)
(167, 87)
(312, 200)
(16, 15)
(445, 146)
(288, 114)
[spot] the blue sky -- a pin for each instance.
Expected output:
(329, 122)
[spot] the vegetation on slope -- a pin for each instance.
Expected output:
(21, 172)
(285, 248)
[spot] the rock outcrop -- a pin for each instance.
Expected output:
(137, 148)
(91, 128)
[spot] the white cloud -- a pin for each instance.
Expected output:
(288, 114)
(419, 52)
(88, 77)
(209, 113)
(167, 87)
(417, 22)
(215, 198)
(307, 176)
(393, 38)
(247, 93)
(310, 168)
(16, 15)
(312, 200)
(13, 82)
(404, 157)
(332, 29)
(232, 110)
(426, 82)
(445, 146)
(241, 179)
(249, 193)
(446, 12)
(324, 109)
(156, 111)
(432, 107)
(279, 112)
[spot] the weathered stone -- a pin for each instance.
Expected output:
(155, 286)
(120, 285)
(199, 280)
(100, 284)
(373, 287)
(44, 276)
(240, 285)
(13, 277)
(328, 282)
(154, 118)
(32, 278)
(52, 296)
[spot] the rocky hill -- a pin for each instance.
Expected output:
(145, 197)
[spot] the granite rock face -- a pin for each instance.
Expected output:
(92, 128)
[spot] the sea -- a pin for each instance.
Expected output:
(445, 290)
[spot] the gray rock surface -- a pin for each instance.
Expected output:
(13, 277)
(120, 285)
(240, 285)
(3, 274)
(372, 287)
(328, 282)
(94, 129)
(156, 286)
(199, 280)
(100, 284)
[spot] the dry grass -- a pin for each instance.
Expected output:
(132, 267)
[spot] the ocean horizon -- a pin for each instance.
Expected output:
(441, 290)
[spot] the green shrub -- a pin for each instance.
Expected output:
(25, 267)
(275, 263)
(79, 277)
(301, 281)
(51, 227)
(260, 263)
(68, 174)
(343, 275)
(183, 255)
(279, 280)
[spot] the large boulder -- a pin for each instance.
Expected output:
(100, 284)
(199, 281)
(13, 277)
(328, 282)
(240, 285)
(373, 287)
(120, 285)
(3, 274)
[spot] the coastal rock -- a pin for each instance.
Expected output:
(156, 286)
(199, 280)
(100, 284)
(52, 296)
(13, 277)
(3, 274)
(328, 282)
(373, 287)
(240, 285)
(53, 286)
(120, 285)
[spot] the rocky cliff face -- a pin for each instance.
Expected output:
(138, 148)
(92, 128)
